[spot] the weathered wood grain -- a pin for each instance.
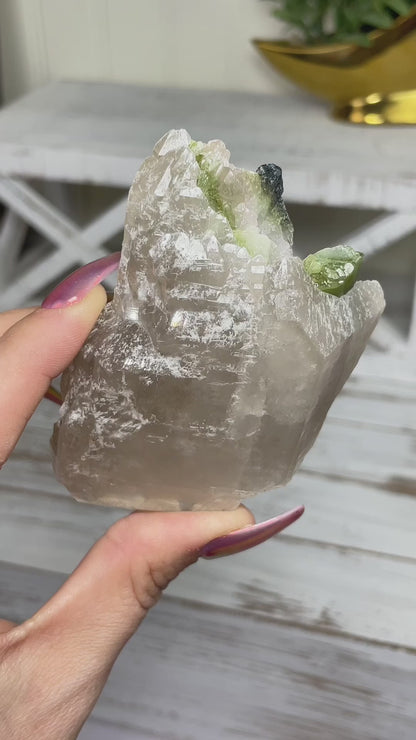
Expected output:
(342, 588)
(100, 133)
(367, 398)
(105, 130)
(199, 673)
(96, 729)
(338, 513)
(375, 446)
(247, 646)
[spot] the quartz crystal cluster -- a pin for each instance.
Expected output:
(209, 375)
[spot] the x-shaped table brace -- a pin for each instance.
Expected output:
(72, 245)
(75, 245)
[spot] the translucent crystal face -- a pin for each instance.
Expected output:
(208, 377)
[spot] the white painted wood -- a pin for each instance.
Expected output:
(107, 224)
(106, 130)
(353, 450)
(249, 646)
(205, 673)
(290, 578)
(43, 216)
(12, 233)
(381, 232)
(371, 426)
(73, 245)
(387, 337)
(46, 269)
(338, 513)
(373, 238)
(391, 367)
(372, 406)
(355, 593)
(348, 567)
(96, 729)
(412, 331)
(88, 132)
(353, 549)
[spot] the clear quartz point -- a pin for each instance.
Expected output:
(208, 377)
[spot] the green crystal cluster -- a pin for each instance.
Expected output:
(334, 269)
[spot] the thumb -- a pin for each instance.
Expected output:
(66, 651)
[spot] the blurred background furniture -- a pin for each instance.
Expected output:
(78, 132)
(312, 635)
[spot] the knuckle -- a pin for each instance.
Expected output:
(144, 580)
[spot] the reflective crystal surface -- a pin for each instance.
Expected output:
(208, 377)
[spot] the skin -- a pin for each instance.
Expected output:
(53, 666)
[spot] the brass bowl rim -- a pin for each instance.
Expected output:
(288, 47)
(376, 109)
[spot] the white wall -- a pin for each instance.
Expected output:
(189, 43)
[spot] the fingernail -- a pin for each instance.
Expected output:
(76, 286)
(243, 539)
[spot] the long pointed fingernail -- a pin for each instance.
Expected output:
(243, 539)
(76, 286)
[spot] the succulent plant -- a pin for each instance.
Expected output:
(331, 21)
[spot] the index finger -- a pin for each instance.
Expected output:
(32, 352)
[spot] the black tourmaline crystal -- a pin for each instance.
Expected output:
(272, 181)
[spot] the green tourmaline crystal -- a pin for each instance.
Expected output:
(334, 269)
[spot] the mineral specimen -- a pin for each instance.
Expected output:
(209, 375)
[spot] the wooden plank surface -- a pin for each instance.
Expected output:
(354, 548)
(99, 132)
(96, 729)
(368, 439)
(293, 640)
(195, 673)
(337, 513)
(319, 585)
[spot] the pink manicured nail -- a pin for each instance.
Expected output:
(76, 286)
(248, 537)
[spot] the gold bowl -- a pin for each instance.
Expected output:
(376, 109)
(341, 72)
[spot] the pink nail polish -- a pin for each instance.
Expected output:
(76, 286)
(243, 539)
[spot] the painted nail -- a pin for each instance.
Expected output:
(243, 539)
(76, 286)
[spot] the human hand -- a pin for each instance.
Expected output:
(54, 665)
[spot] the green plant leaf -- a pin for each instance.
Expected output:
(378, 18)
(399, 6)
(321, 21)
(359, 39)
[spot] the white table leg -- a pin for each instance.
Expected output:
(412, 332)
(46, 218)
(370, 239)
(73, 245)
(381, 232)
(12, 234)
